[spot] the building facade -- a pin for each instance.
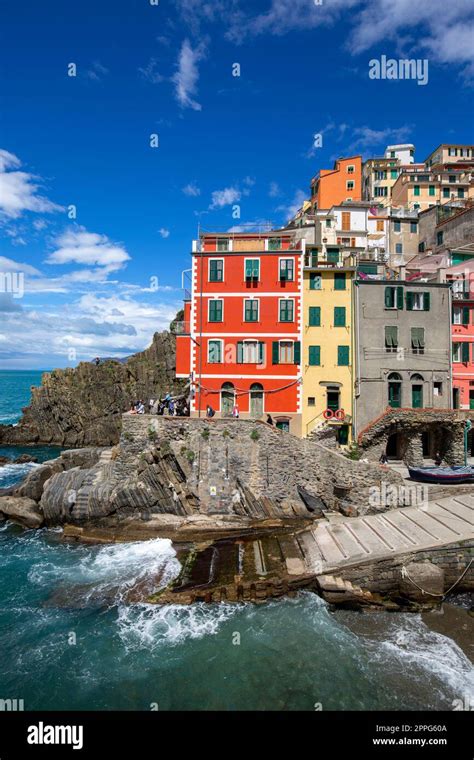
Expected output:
(331, 187)
(327, 344)
(461, 278)
(243, 345)
(403, 339)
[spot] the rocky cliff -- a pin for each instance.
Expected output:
(83, 406)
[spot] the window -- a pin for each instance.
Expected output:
(380, 175)
(332, 255)
(216, 270)
(314, 356)
(394, 390)
(416, 205)
(398, 248)
(391, 338)
(414, 227)
(421, 247)
(215, 310)
(314, 316)
(397, 227)
(328, 222)
(418, 340)
(431, 190)
(286, 270)
(214, 352)
(250, 352)
(418, 301)
(339, 316)
(251, 310)
(286, 310)
(350, 169)
(452, 178)
(393, 297)
(274, 244)
(252, 269)
(380, 192)
(340, 281)
(437, 388)
(349, 184)
(439, 238)
(457, 315)
(461, 352)
(460, 192)
(446, 192)
(222, 244)
(315, 281)
(311, 401)
(416, 190)
(393, 174)
(392, 154)
(457, 352)
(343, 356)
(451, 151)
(346, 220)
(286, 352)
(379, 225)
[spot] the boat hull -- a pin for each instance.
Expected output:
(442, 475)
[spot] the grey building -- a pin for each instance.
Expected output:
(403, 347)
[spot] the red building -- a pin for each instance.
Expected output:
(241, 339)
(462, 277)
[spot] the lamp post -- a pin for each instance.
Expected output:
(467, 427)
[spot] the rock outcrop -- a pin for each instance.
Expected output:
(83, 406)
(22, 510)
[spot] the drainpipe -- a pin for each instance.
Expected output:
(356, 334)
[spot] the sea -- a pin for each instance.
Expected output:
(70, 639)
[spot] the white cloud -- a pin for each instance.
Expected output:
(191, 189)
(164, 232)
(274, 190)
(225, 197)
(187, 75)
(97, 72)
(290, 209)
(19, 190)
(150, 73)
(79, 246)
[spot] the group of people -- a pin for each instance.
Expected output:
(168, 406)
(210, 412)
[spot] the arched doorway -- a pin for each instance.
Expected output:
(394, 390)
(256, 400)
(227, 399)
(392, 446)
(417, 391)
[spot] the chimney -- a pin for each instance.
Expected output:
(402, 272)
(442, 274)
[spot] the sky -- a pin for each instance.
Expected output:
(126, 124)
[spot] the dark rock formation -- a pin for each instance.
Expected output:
(83, 406)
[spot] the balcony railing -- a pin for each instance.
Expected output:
(462, 295)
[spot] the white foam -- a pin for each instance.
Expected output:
(148, 626)
(11, 474)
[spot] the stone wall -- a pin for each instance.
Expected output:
(228, 454)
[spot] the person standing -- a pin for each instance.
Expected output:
(235, 411)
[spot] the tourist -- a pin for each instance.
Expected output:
(210, 411)
(438, 459)
(269, 419)
(151, 404)
(97, 361)
(171, 407)
(132, 409)
(383, 458)
(235, 411)
(141, 408)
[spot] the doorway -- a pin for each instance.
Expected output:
(455, 398)
(426, 444)
(392, 446)
(395, 390)
(256, 400)
(227, 399)
(332, 400)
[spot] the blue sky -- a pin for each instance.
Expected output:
(166, 69)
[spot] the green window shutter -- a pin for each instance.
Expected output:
(332, 255)
(256, 269)
(315, 316)
(416, 190)
(248, 269)
(339, 316)
(314, 356)
(426, 301)
(410, 301)
(391, 336)
(465, 352)
(261, 352)
(400, 297)
(240, 352)
(388, 298)
(343, 356)
(393, 174)
(296, 352)
(418, 337)
(340, 281)
(314, 281)
(215, 355)
(213, 271)
(215, 310)
(275, 352)
(465, 315)
(248, 311)
(431, 189)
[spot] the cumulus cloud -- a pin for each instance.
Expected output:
(78, 246)
(289, 210)
(186, 76)
(150, 72)
(225, 197)
(19, 190)
(191, 189)
(164, 232)
(96, 72)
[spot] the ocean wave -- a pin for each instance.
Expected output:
(149, 626)
(12, 474)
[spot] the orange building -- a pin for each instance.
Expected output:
(240, 343)
(331, 187)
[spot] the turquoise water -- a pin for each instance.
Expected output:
(69, 639)
(15, 393)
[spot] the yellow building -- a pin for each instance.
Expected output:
(327, 358)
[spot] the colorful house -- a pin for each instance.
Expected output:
(461, 278)
(241, 339)
(330, 187)
(327, 343)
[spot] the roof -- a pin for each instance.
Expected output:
(425, 263)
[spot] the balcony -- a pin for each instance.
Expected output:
(462, 295)
(180, 328)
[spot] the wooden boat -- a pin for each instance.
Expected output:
(456, 474)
